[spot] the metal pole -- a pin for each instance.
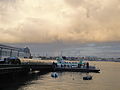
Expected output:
(11, 53)
(0, 53)
(18, 54)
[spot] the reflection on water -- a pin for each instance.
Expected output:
(107, 79)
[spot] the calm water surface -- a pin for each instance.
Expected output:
(107, 79)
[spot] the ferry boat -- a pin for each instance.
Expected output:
(74, 66)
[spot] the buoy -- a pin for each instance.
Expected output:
(54, 75)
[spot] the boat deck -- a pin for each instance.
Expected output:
(78, 69)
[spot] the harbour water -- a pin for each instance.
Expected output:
(107, 79)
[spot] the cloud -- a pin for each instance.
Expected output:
(44, 21)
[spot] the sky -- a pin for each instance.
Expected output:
(104, 50)
(45, 21)
(87, 22)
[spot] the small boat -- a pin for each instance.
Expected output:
(54, 75)
(87, 77)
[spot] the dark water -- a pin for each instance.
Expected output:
(107, 79)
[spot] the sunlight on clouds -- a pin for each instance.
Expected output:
(44, 21)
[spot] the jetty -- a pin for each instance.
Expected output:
(18, 60)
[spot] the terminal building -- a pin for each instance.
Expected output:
(9, 51)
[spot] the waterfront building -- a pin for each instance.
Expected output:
(9, 51)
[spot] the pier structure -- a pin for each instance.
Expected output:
(10, 69)
(13, 63)
(25, 63)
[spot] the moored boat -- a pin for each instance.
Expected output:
(62, 65)
(89, 77)
(54, 75)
